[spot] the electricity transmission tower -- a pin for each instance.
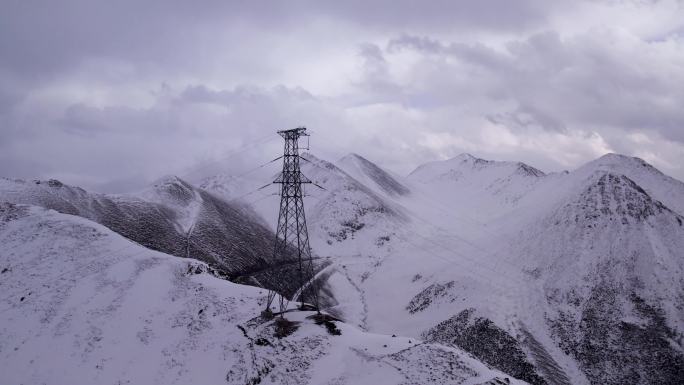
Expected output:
(291, 233)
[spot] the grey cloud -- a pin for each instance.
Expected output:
(119, 147)
(375, 78)
(242, 94)
(443, 14)
(475, 53)
(40, 38)
(69, 67)
(579, 81)
(525, 118)
(91, 121)
(418, 43)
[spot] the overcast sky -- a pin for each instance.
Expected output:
(110, 95)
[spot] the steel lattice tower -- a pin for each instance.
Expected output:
(291, 232)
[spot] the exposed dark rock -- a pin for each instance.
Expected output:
(615, 197)
(425, 298)
(528, 170)
(282, 327)
(262, 342)
(614, 348)
(328, 321)
(486, 341)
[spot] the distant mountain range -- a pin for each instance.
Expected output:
(561, 278)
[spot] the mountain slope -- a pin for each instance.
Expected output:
(344, 216)
(377, 241)
(347, 215)
(666, 189)
(610, 260)
(171, 216)
(373, 176)
(150, 224)
(120, 313)
(600, 258)
(574, 277)
(478, 187)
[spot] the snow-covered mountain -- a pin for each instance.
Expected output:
(171, 216)
(369, 174)
(561, 278)
(658, 185)
(344, 215)
(348, 216)
(350, 224)
(602, 258)
(378, 241)
(609, 259)
(478, 187)
(82, 304)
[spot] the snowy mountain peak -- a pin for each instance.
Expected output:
(171, 189)
(372, 175)
(52, 193)
(38, 183)
(465, 157)
(171, 181)
(353, 155)
(168, 179)
(609, 260)
(475, 162)
(612, 161)
(614, 196)
(614, 157)
(466, 160)
(661, 187)
(527, 170)
(312, 160)
(468, 166)
(221, 182)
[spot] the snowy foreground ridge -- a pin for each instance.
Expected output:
(83, 305)
(466, 271)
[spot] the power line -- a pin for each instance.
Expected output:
(443, 207)
(262, 198)
(257, 168)
(240, 150)
(466, 241)
(247, 193)
(462, 264)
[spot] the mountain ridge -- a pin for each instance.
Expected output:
(593, 254)
(171, 216)
(122, 313)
